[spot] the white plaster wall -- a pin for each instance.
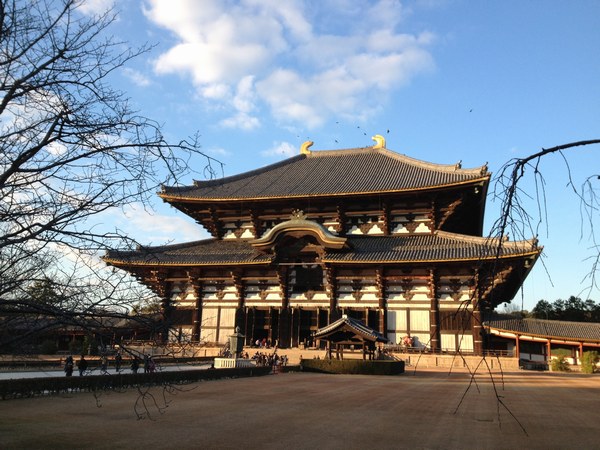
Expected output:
(448, 341)
(419, 320)
(465, 342)
(396, 320)
(209, 317)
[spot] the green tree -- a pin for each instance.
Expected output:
(589, 361)
(542, 310)
(573, 309)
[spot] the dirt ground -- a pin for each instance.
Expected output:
(314, 411)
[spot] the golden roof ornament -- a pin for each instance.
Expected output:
(379, 141)
(304, 148)
(297, 214)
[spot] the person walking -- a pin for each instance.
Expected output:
(118, 361)
(104, 365)
(69, 366)
(82, 365)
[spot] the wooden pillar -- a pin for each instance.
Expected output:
(253, 324)
(197, 286)
(381, 293)
(293, 340)
(580, 353)
(386, 219)
(240, 319)
(477, 329)
(298, 325)
(164, 290)
(285, 317)
(238, 283)
(517, 348)
(330, 276)
(284, 328)
(434, 313)
(270, 330)
(256, 222)
(248, 338)
(282, 279)
(548, 350)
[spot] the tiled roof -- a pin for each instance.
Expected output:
(585, 331)
(352, 324)
(440, 246)
(205, 252)
(362, 170)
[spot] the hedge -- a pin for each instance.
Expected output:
(353, 366)
(94, 362)
(31, 387)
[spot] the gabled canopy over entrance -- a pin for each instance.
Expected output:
(349, 331)
(298, 226)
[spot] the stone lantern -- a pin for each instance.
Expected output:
(236, 343)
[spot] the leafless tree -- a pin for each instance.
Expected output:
(71, 148)
(520, 221)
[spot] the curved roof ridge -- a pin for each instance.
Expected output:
(157, 248)
(228, 179)
(531, 243)
(331, 172)
(481, 170)
(327, 239)
(241, 176)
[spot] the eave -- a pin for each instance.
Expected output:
(170, 198)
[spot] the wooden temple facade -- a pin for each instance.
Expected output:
(380, 237)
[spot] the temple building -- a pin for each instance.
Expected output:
(366, 232)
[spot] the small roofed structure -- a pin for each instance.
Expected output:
(349, 331)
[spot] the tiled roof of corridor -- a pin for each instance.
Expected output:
(586, 331)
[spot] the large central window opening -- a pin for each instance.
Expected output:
(308, 278)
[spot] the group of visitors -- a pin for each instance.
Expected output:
(82, 364)
(270, 359)
(149, 364)
(263, 343)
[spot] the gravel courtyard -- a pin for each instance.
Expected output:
(314, 411)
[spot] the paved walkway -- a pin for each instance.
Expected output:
(314, 411)
(13, 375)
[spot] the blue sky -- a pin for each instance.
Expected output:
(450, 79)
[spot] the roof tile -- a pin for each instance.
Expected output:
(363, 170)
(440, 246)
(550, 328)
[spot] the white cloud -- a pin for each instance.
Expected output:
(306, 62)
(56, 148)
(241, 121)
(244, 104)
(153, 227)
(93, 7)
(137, 77)
(218, 151)
(280, 149)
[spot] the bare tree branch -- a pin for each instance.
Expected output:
(71, 148)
